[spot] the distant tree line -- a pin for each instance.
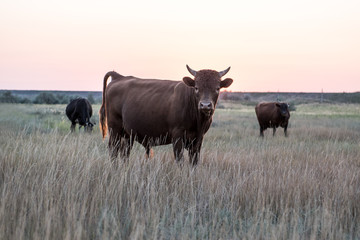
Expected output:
(42, 98)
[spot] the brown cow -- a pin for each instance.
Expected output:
(159, 112)
(272, 115)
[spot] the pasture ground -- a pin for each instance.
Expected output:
(57, 185)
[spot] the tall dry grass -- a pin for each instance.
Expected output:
(56, 185)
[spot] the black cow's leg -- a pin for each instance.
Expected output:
(285, 130)
(178, 147)
(72, 127)
(274, 130)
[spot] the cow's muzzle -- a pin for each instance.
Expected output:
(88, 127)
(206, 107)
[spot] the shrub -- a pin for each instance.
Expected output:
(46, 98)
(292, 107)
(7, 97)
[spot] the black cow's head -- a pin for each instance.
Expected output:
(284, 109)
(88, 127)
(207, 85)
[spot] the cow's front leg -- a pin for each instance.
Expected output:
(261, 131)
(178, 147)
(194, 151)
(274, 130)
(194, 155)
(285, 130)
(72, 128)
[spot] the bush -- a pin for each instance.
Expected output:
(91, 99)
(7, 97)
(46, 98)
(292, 107)
(62, 98)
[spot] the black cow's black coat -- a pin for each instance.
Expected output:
(79, 111)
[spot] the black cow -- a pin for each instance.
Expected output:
(79, 111)
(158, 112)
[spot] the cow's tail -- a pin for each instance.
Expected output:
(102, 112)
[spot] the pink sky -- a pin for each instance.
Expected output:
(302, 46)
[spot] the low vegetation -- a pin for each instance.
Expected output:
(58, 185)
(46, 97)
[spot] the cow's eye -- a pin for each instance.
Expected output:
(196, 89)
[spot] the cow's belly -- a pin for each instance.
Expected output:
(147, 128)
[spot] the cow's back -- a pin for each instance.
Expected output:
(79, 108)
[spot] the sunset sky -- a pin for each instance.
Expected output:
(297, 46)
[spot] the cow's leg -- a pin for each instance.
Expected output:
(274, 130)
(126, 144)
(178, 147)
(72, 127)
(285, 130)
(194, 151)
(149, 152)
(261, 131)
(114, 144)
(194, 154)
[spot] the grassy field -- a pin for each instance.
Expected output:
(57, 185)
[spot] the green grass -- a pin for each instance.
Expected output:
(58, 185)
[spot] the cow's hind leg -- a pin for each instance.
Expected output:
(126, 144)
(119, 142)
(114, 144)
(178, 147)
(149, 152)
(274, 130)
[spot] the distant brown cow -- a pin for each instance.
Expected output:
(272, 115)
(159, 112)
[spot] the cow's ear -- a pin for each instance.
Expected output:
(277, 104)
(226, 83)
(189, 81)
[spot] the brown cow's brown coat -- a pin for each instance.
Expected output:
(272, 115)
(158, 112)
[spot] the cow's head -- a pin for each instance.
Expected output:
(284, 109)
(89, 126)
(207, 85)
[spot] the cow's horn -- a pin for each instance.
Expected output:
(222, 73)
(193, 72)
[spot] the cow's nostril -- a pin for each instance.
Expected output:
(205, 105)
